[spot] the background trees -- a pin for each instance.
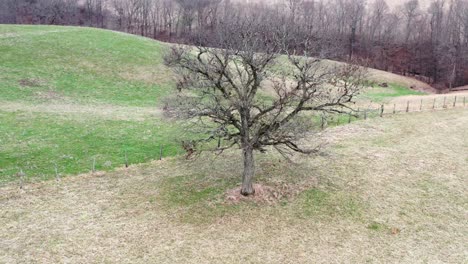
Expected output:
(427, 41)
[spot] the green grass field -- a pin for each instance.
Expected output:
(72, 95)
(381, 94)
(61, 88)
(80, 65)
(38, 143)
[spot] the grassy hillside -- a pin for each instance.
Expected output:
(80, 65)
(386, 190)
(71, 95)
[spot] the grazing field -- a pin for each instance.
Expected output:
(387, 190)
(42, 145)
(381, 94)
(80, 65)
(383, 190)
(72, 97)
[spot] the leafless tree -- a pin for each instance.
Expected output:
(224, 85)
(410, 11)
(355, 12)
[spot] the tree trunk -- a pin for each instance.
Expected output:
(249, 170)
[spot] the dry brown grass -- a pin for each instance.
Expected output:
(408, 82)
(426, 102)
(104, 111)
(407, 174)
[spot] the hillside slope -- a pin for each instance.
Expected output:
(80, 65)
(74, 98)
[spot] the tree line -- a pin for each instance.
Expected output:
(429, 43)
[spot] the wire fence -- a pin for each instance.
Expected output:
(398, 107)
(374, 110)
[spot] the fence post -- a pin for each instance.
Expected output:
(160, 152)
(455, 101)
(57, 175)
(21, 174)
(407, 106)
(394, 108)
(322, 125)
(381, 110)
(94, 164)
(420, 106)
(126, 159)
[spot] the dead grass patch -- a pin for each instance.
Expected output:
(30, 82)
(109, 112)
(157, 74)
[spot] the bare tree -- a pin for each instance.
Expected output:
(355, 14)
(410, 11)
(378, 12)
(224, 85)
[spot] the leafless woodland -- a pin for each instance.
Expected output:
(426, 40)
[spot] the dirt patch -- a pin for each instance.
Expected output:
(267, 194)
(30, 83)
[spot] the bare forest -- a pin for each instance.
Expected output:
(427, 40)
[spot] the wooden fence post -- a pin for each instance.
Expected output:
(349, 118)
(381, 110)
(394, 108)
(420, 106)
(57, 175)
(126, 159)
(21, 174)
(407, 106)
(160, 152)
(455, 101)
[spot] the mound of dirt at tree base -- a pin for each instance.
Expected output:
(267, 194)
